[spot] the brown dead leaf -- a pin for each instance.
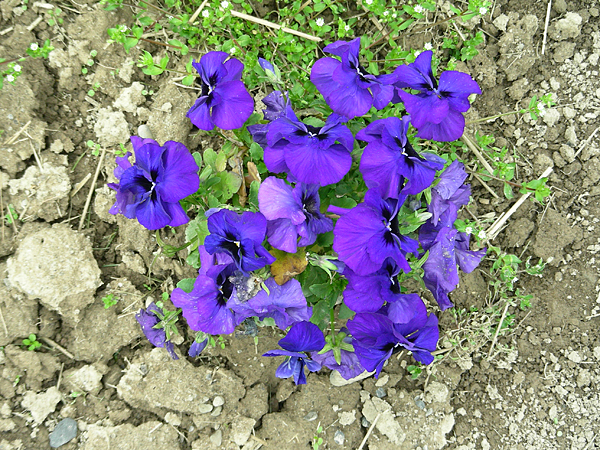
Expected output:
(287, 265)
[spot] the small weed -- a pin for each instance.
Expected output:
(109, 300)
(32, 343)
(317, 440)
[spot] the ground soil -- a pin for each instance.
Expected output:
(537, 388)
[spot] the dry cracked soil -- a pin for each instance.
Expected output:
(537, 388)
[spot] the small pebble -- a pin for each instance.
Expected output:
(172, 419)
(365, 423)
(216, 438)
(380, 392)
(205, 408)
(217, 411)
(144, 132)
(63, 432)
(339, 437)
(311, 416)
(218, 401)
(420, 403)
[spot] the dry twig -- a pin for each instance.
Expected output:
(364, 441)
(89, 198)
(546, 26)
(266, 23)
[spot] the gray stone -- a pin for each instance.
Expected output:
(170, 105)
(149, 435)
(130, 98)
(311, 416)
(63, 432)
(111, 127)
(54, 255)
(41, 405)
(516, 46)
(339, 437)
(567, 28)
(86, 378)
(101, 332)
(380, 392)
(551, 117)
(44, 192)
(20, 313)
(177, 385)
(241, 429)
(217, 411)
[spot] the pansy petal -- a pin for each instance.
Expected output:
(312, 164)
(235, 107)
(282, 234)
(424, 108)
(321, 75)
(199, 114)
(457, 87)
(448, 130)
(380, 168)
(303, 337)
(234, 69)
(276, 201)
(180, 176)
(152, 214)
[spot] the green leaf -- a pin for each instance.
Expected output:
(188, 81)
(154, 70)
(345, 312)
(210, 157)
(193, 259)
(508, 193)
(146, 21)
(221, 162)
(320, 314)
(187, 285)
(196, 231)
(256, 152)
(230, 184)
(198, 158)
(164, 61)
(129, 43)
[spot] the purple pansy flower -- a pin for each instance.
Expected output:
(449, 194)
(150, 189)
(376, 338)
(367, 234)
(277, 104)
(285, 304)
(303, 337)
(240, 237)
(312, 155)
(206, 307)
(147, 318)
(346, 86)
(291, 213)
(369, 293)
(447, 249)
(224, 101)
(436, 110)
(197, 347)
(389, 157)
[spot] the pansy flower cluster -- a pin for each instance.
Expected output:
(374, 243)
